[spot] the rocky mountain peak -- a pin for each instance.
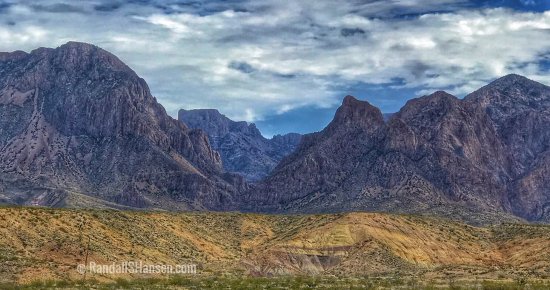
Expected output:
(441, 95)
(488, 153)
(430, 106)
(356, 113)
(514, 87)
(510, 96)
(79, 54)
(349, 100)
(440, 98)
(92, 85)
(80, 118)
(242, 147)
(215, 124)
(513, 80)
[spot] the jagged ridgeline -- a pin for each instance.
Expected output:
(483, 157)
(78, 128)
(242, 147)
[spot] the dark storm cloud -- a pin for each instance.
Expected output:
(522, 5)
(346, 32)
(108, 7)
(4, 6)
(57, 8)
(418, 69)
(242, 67)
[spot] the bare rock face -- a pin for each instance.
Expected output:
(455, 149)
(321, 165)
(77, 119)
(242, 147)
(78, 127)
(484, 156)
(356, 114)
(519, 110)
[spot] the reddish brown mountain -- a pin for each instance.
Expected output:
(75, 121)
(242, 147)
(80, 128)
(484, 156)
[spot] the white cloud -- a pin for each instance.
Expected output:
(26, 36)
(296, 52)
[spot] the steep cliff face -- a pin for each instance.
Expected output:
(519, 110)
(80, 128)
(77, 119)
(456, 148)
(438, 154)
(316, 176)
(242, 147)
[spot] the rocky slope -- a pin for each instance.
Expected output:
(519, 110)
(80, 128)
(485, 154)
(76, 121)
(242, 147)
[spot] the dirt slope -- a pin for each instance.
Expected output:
(40, 243)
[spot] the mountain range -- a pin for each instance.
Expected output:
(242, 147)
(485, 153)
(78, 128)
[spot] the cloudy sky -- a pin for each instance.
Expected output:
(286, 65)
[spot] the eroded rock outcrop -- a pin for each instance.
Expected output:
(242, 147)
(77, 119)
(487, 154)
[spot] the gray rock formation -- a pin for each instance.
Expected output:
(80, 128)
(484, 155)
(242, 147)
(519, 110)
(76, 122)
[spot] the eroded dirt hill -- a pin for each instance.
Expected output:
(50, 243)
